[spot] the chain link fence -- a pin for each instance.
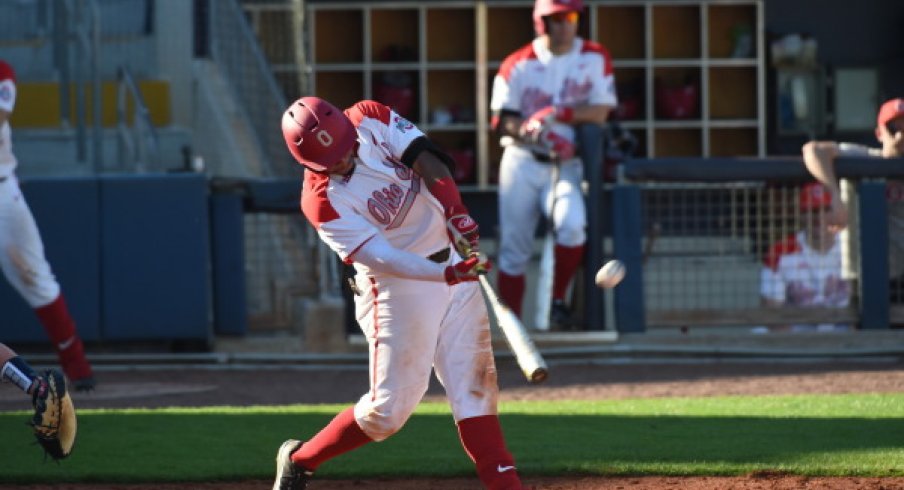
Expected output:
(750, 254)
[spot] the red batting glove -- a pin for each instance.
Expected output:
(462, 230)
(467, 270)
(532, 128)
(460, 226)
(560, 147)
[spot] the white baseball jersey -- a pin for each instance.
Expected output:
(381, 195)
(797, 275)
(412, 326)
(533, 77)
(7, 103)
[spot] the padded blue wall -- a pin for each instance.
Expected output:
(67, 216)
(155, 247)
(132, 254)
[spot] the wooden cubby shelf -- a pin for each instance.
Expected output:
(439, 58)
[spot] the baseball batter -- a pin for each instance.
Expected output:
(540, 94)
(819, 157)
(804, 269)
(22, 253)
(381, 195)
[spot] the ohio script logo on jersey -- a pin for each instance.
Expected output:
(402, 124)
(390, 205)
(5, 93)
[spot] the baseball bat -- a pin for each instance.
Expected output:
(526, 354)
(547, 268)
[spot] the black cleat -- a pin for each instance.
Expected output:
(85, 384)
(289, 476)
(559, 316)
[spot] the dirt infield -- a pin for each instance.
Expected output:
(201, 387)
(752, 482)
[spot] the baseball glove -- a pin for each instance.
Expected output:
(54, 421)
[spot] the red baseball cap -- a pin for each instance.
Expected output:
(814, 196)
(891, 109)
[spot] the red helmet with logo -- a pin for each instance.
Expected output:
(814, 196)
(542, 8)
(317, 133)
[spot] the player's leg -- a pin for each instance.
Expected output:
(570, 221)
(464, 365)
(401, 334)
(520, 182)
(27, 270)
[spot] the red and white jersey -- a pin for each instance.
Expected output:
(7, 103)
(533, 77)
(381, 195)
(797, 275)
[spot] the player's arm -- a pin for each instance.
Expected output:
(435, 168)
(819, 158)
(508, 123)
(772, 287)
(430, 162)
(380, 256)
(8, 89)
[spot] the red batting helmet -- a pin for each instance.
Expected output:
(542, 8)
(317, 133)
(891, 109)
(814, 196)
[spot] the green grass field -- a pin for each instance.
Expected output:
(827, 435)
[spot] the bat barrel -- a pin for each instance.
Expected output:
(526, 354)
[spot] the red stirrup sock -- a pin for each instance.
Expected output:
(340, 436)
(511, 291)
(60, 328)
(483, 441)
(568, 259)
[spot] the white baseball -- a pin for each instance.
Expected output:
(610, 274)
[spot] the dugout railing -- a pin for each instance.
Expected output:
(695, 235)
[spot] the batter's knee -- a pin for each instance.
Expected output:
(381, 422)
(571, 236)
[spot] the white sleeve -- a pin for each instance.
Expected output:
(399, 134)
(772, 286)
(603, 90)
(7, 95)
(502, 96)
(378, 255)
(857, 150)
(347, 232)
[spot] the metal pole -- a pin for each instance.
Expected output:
(591, 151)
(80, 118)
(97, 136)
(61, 35)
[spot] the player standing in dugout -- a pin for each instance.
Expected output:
(381, 195)
(543, 92)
